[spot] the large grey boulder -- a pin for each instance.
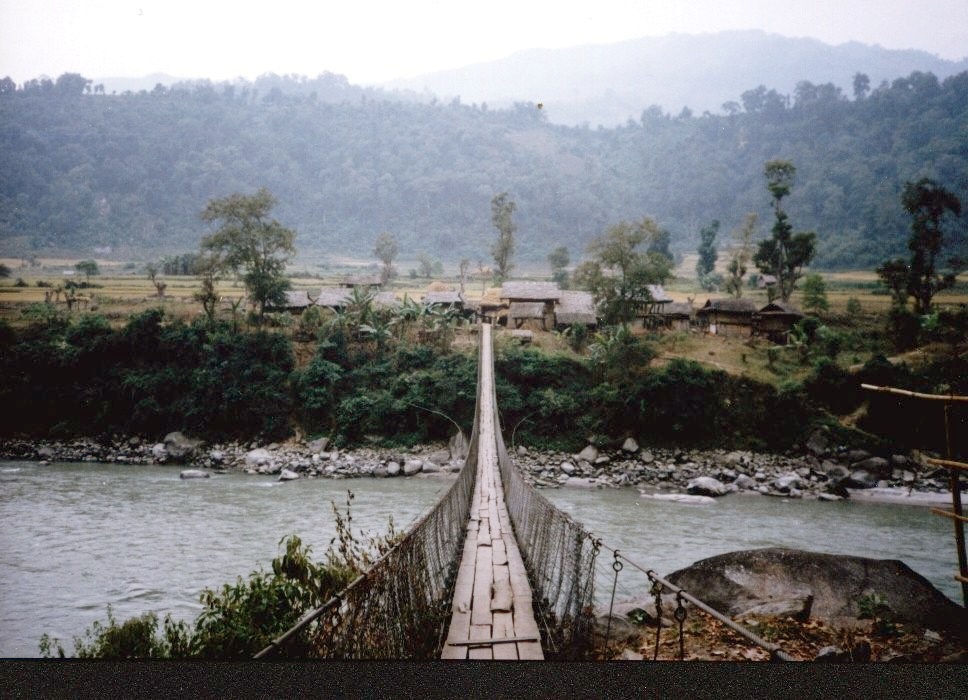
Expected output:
(257, 457)
(630, 445)
(589, 454)
(707, 486)
(412, 466)
(288, 475)
(785, 483)
(318, 445)
(159, 453)
(773, 578)
(180, 448)
(439, 457)
(878, 467)
(860, 479)
(568, 468)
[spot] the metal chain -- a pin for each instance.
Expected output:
(617, 567)
(680, 615)
(657, 592)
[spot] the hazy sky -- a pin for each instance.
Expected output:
(377, 40)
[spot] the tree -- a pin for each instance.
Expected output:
(462, 269)
(250, 242)
(740, 256)
(426, 265)
(815, 294)
(88, 267)
(707, 252)
(207, 296)
(619, 274)
(785, 253)
(385, 249)
(928, 202)
(4, 271)
(862, 85)
(895, 275)
(152, 271)
(559, 259)
(502, 210)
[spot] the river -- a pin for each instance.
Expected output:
(77, 537)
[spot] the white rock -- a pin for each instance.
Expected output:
(412, 466)
(288, 475)
(194, 474)
(630, 445)
(568, 468)
(257, 457)
(589, 454)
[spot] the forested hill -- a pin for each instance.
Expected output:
(81, 170)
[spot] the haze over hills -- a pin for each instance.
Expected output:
(608, 84)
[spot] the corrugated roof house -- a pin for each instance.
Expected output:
(575, 307)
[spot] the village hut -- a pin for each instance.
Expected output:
(296, 302)
(386, 300)
(775, 321)
(530, 301)
(575, 308)
(490, 307)
(334, 298)
(650, 309)
(446, 299)
(728, 317)
(677, 316)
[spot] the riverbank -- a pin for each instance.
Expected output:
(822, 471)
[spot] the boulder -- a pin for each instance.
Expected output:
(834, 470)
(680, 498)
(745, 482)
(630, 446)
(257, 457)
(439, 457)
(412, 466)
(817, 443)
(430, 467)
(393, 468)
(738, 582)
(647, 457)
(854, 456)
(180, 448)
(589, 454)
(568, 468)
(288, 475)
(787, 482)
(159, 453)
(706, 486)
(318, 445)
(860, 479)
(194, 474)
(878, 467)
(380, 470)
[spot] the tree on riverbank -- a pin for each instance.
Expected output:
(250, 242)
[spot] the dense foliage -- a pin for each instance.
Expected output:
(133, 171)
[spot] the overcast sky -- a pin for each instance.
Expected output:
(378, 40)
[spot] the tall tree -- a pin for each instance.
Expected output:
(785, 253)
(619, 273)
(250, 242)
(928, 202)
(707, 252)
(502, 212)
(815, 294)
(740, 256)
(558, 259)
(385, 249)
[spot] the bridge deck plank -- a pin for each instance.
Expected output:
(492, 598)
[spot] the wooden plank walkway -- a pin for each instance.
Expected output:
(492, 613)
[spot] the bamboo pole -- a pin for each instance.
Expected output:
(950, 398)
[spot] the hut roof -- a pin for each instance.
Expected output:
(736, 306)
(530, 291)
(677, 309)
(526, 310)
(781, 308)
(443, 297)
(296, 299)
(334, 297)
(576, 307)
(386, 299)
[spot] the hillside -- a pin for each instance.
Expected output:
(609, 84)
(87, 172)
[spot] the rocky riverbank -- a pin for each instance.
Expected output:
(821, 471)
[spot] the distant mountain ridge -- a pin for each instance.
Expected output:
(611, 83)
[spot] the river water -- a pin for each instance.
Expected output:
(77, 537)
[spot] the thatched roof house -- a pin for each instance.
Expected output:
(776, 319)
(547, 292)
(386, 300)
(677, 315)
(520, 312)
(575, 307)
(296, 301)
(333, 297)
(450, 298)
(728, 316)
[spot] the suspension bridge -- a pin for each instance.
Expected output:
(493, 571)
